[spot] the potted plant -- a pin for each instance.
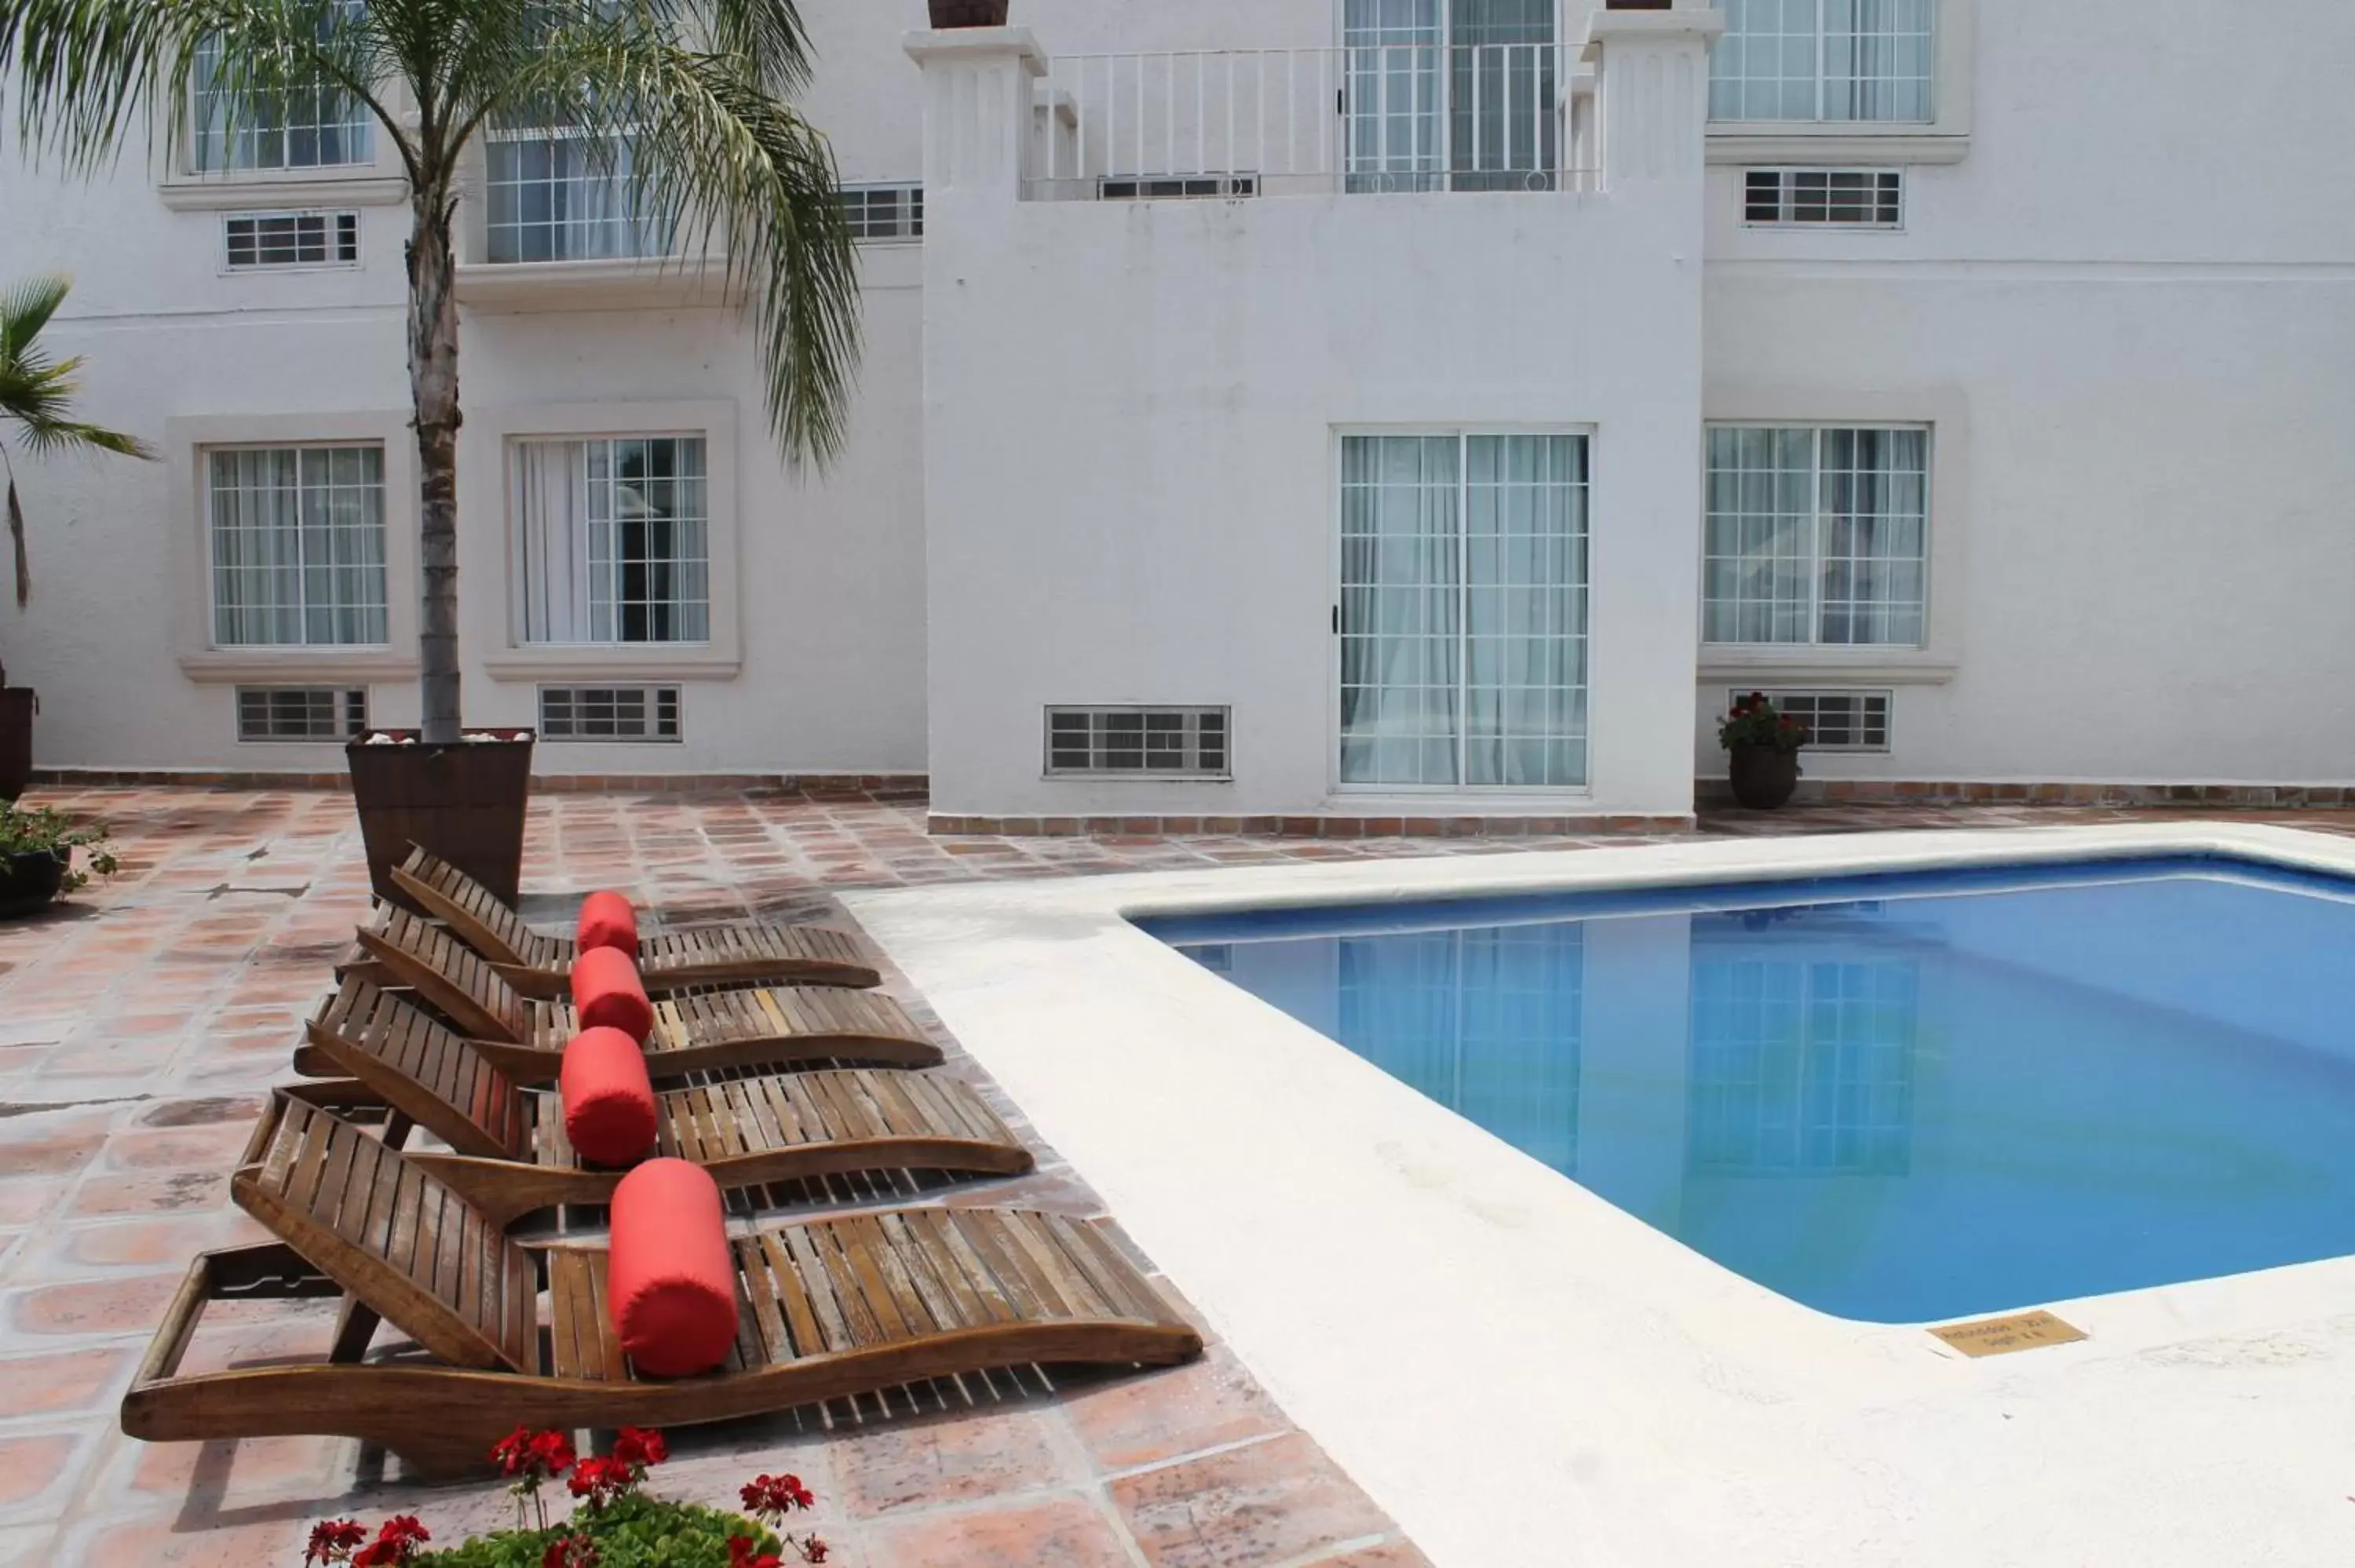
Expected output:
(1761, 748)
(699, 92)
(37, 396)
(36, 857)
(969, 13)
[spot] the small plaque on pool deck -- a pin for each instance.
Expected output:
(2001, 1336)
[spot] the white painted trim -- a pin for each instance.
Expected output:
(1516, 1370)
(220, 192)
(628, 283)
(490, 431)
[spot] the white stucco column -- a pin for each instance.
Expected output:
(1652, 91)
(978, 106)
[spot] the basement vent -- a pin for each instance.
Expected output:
(1178, 188)
(255, 241)
(1836, 721)
(1138, 742)
(301, 713)
(884, 212)
(1824, 199)
(609, 713)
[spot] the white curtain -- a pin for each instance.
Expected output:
(298, 546)
(1877, 59)
(554, 575)
(1401, 609)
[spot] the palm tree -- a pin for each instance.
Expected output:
(698, 91)
(37, 396)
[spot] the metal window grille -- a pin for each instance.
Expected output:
(1824, 199)
(310, 127)
(884, 212)
(561, 195)
(609, 712)
(1836, 721)
(1816, 536)
(1194, 187)
(1141, 742)
(1801, 1068)
(297, 546)
(258, 240)
(301, 713)
(614, 536)
(1842, 60)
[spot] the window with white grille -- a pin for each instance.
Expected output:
(1177, 188)
(1823, 198)
(613, 540)
(296, 541)
(301, 713)
(1816, 536)
(558, 195)
(609, 713)
(1148, 742)
(311, 127)
(252, 240)
(1838, 61)
(884, 212)
(1836, 721)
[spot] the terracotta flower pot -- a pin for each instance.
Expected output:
(464, 802)
(969, 13)
(29, 881)
(1764, 776)
(17, 704)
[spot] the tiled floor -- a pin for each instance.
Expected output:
(140, 1024)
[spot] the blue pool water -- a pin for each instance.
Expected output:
(1895, 1098)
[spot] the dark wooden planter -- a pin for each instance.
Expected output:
(969, 13)
(1763, 777)
(464, 802)
(29, 881)
(1638, 4)
(16, 708)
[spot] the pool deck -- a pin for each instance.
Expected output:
(139, 1025)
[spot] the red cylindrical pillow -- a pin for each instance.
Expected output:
(609, 1102)
(608, 995)
(670, 1281)
(607, 921)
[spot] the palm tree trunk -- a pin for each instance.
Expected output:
(433, 387)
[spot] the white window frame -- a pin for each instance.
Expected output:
(1944, 139)
(555, 135)
(1946, 412)
(333, 216)
(1470, 793)
(188, 485)
(212, 604)
(495, 556)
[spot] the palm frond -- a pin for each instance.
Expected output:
(26, 307)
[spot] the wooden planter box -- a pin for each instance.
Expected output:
(463, 803)
(17, 704)
(29, 881)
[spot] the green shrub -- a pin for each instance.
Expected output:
(630, 1532)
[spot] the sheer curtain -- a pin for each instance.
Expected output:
(1505, 119)
(297, 542)
(1525, 642)
(554, 575)
(1402, 607)
(1877, 59)
(1393, 94)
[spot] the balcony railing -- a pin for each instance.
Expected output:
(1375, 118)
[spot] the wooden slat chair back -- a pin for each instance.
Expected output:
(449, 974)
(482, 919)
(397, 1239)
(425, 1070)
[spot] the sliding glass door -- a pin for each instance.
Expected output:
(1462, 622)
(1452, 95)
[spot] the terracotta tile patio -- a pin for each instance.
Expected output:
(140, 1024)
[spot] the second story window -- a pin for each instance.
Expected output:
(557, 196)
(1451, 95)
(613, 541)
(1825, 60)
(313, 126)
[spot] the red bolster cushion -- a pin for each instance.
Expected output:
(609, 1101)
(607, 921)
(670, 1281)
(608, 995)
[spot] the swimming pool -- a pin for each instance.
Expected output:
(1896, 1098)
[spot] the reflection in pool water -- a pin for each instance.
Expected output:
(1899, 1100)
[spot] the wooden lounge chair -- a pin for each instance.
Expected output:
(694, 1031)
(512, 1157)
(749, 952)
(827, 1307)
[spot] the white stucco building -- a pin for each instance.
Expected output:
(1323, 409)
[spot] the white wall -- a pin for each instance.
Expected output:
(2135, 287)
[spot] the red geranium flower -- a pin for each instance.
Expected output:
(640, 1449)
(740, 1554)
(814, 1549)
(333, 1540)
(570, 1552)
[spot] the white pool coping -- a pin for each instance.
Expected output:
(1522, 1374)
